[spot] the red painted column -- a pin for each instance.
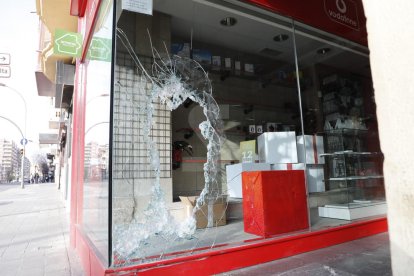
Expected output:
(75, 133)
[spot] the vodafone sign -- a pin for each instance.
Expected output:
(344, 18)
(343, 12)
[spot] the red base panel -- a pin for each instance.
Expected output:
(91, 263)
(222, 260)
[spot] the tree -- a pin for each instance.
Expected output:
(9, 175)
(39, 159)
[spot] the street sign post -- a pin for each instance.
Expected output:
(4, 59)
(5, 71)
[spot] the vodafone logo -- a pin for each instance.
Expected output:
(340, 4)
(344, 12)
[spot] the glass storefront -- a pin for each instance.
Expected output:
(225, 125)
(97, 72)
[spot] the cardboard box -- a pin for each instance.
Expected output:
(274, 202)
(218, 208)
(313, 148)
(277, 147)
(234, 176)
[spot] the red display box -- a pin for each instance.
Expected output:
(274, 202)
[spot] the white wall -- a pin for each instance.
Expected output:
(391, 42)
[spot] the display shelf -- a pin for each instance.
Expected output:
(265, 81)
(350, 152)
(356, 168)
(354, 178)
(347, 131)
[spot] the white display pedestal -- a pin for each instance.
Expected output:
(353, 210)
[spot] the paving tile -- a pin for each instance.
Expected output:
(58, 273)
(9, 267)
(31, 272)
(57, 267)
(32, 263)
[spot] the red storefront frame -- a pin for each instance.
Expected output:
(313, 13)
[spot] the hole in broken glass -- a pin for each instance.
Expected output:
(171, 81)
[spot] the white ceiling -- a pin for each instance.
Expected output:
(252, 33)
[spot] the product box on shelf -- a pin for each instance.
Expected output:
(218, 208)
(216, 62)
(202, 56)
(228, 63)
(274, 202)
(234, 176)
(181, 49)
(249, 68)
(313, 148)
(277, 147)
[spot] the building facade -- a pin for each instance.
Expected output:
(10, 160)
(208, 135)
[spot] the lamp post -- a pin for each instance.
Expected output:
(24, 140)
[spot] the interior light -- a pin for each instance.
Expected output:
(281, 37)
(323, 51)
(228, 21)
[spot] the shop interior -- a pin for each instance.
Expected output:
(274, 80)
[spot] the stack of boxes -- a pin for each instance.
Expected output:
(286, 151)
(273, 190)
(283, 151)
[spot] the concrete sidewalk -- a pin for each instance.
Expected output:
(34, 232)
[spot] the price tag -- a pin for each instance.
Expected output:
(259, 129)
(252, 129)
(248, 151)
